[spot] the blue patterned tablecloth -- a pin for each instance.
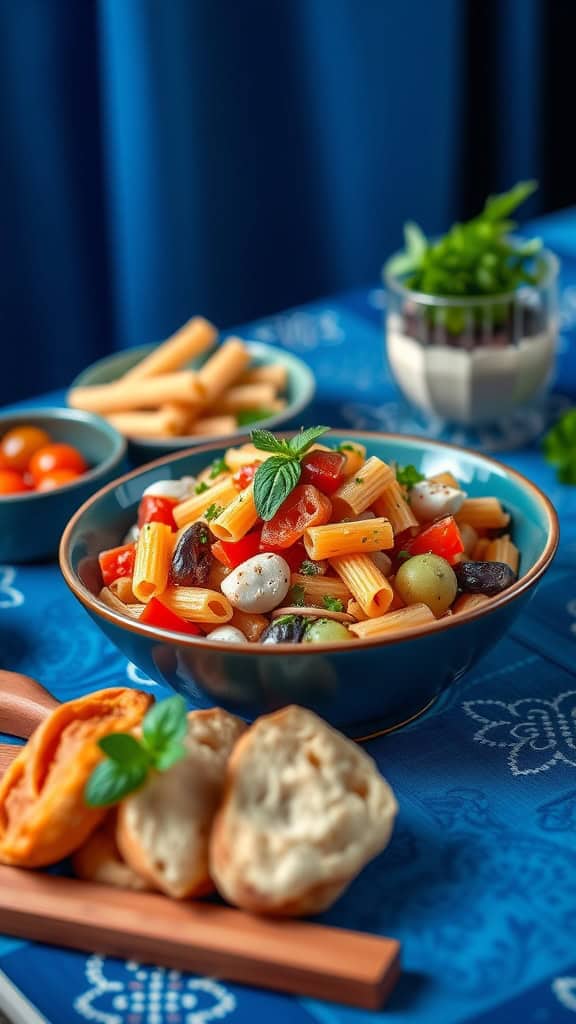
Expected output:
(479, 881)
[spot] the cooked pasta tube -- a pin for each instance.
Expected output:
(181, 416)
(356, 611)
(480, 548)
(214, 426)
(109, 598)
(189, 341)
(221, 493)
(483, 513)
(393, 505)
(365, 582)
(237, 518)
(447, 479)
(160, 423)
(246, 396)
(348, 538)
(355, 455)
(152, 563)
(397, 601)
(316, 588)
(125, 395)
(249, 623)
(413, 617)
(245, 455)
(359, 492)
(274, 373)
(223, 368)
(122, 589)
(469, 537)
(198, 604)
(469, 602)
(502, 549)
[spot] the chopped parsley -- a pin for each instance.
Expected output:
(403, 555)
(408, 476)
(213, 512)
(297, 595)
(201, 487)
(332, 604)
(346, 448)
(359, 480)
(218, 466)
(309, 568)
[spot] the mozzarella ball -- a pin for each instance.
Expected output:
(430, 501)
(227, 635)
(177, 489)
(259, 584)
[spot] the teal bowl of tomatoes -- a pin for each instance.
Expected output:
(51, 461)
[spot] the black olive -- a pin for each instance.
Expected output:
(192, 558)
(488, 578)
(288, 629)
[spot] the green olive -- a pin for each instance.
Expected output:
(427, 579)
(326, 631)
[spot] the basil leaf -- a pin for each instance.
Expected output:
(265, 441)
(171, 754)
(110, 782)
(165, 723)
(273, 482)
(124, 749)
(301, 442)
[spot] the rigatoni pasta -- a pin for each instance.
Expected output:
(153, 554)
(348, 538)
(237, 518)
(360, 492)
(392, 505)
(365, 582)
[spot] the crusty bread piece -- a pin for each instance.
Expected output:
(163, 829)
(304, 810)
(100, 860)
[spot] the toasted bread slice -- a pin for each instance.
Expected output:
(304, 810)
(43, 814)
(100, 860)
(163, 829)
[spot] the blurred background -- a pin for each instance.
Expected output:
(161, 158)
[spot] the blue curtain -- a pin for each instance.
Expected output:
(166, 157)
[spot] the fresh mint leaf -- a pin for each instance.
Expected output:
(309, 568)
(273, 482)
(124, 749)
(302, 441)
(332, 604)
(201, 487)
(213, 511)
(297, 595)
(170, 756)
(265, 441)
(218, 466)
(111, 782)
(165, 723)
(408, 476)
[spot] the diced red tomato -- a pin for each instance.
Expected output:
(440, 538)
(117, 562)
(306, 506)
(155, 509)
(245, 475)
(234, 553)
(294, 555)
(158, 614)
(325, 470)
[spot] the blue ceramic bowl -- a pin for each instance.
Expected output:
(300, 390)
(31, 524)
(360, 687)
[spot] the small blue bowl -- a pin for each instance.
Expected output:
(31, 524)
(300, 388)
(361, 687)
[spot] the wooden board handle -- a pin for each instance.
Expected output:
(290, 956)
(24, 704)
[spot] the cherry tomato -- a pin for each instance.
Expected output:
(57, 478)
(12, 482)
(440, 538)
(245, 475)
(19, 444)
(56, 456)
(306, 506)
(156, 509)
(117, 562)
(324, 470)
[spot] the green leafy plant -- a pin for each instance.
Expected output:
(129, 760)
(408, 476)
(332, 604)
(213, 511)
(218, 466)
(201, 487)
(297, 595)
(477, 258)
(276, 478)
(246, 416)
(309, 568)
(559, 446)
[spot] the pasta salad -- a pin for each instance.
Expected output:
(294, 541)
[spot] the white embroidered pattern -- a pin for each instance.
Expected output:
(565, 991)
(539, 733)
(10, 597)
(149, 995)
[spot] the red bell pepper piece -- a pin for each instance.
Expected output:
(324, 470)
(245, 475)
(440, 538)
(117, 562)
(233, 553)
(158, 614)
(155, 509)
(294, 555)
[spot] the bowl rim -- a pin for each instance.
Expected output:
(185, 441)
(521, 586)
(54, 412)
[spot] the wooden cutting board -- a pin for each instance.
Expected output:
(287, 955)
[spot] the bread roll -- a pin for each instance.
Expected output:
(43, 814)
(163, 829)
(99, 860)
(304, 810)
